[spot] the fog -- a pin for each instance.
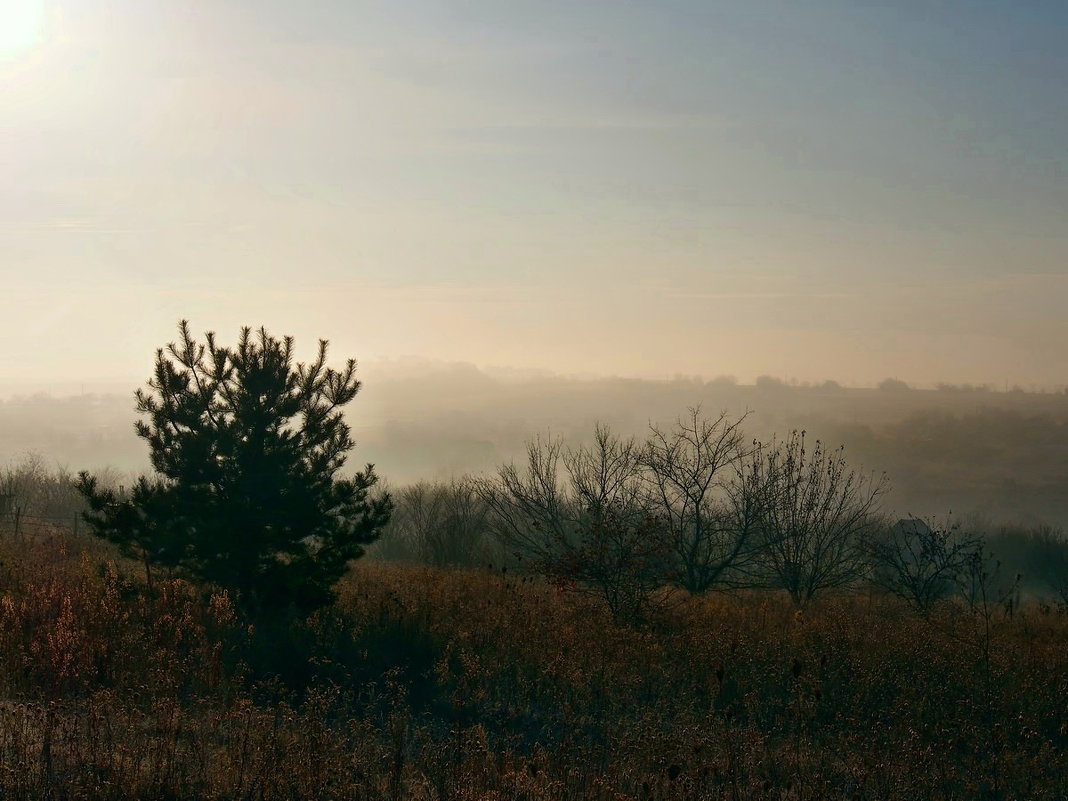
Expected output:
(538, 225)
(802, 191)
(966, 450)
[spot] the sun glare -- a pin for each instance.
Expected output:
(21, 25)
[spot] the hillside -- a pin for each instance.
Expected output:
(428, 684)
(999, 454)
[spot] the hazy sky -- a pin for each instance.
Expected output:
(818, 189)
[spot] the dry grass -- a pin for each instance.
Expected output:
(434, 684)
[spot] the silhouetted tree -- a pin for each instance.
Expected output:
(893, 385)
(920, 563)
(247, 448)
(582, 517)
(692, 475)
(814, 514)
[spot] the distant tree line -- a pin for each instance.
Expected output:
(689, 507)
(698, 507)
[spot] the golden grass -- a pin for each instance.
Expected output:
(433, 684)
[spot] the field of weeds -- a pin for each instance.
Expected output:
(423, 683)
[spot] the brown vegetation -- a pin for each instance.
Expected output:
(428, 683)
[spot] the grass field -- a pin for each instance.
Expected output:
(435, 684)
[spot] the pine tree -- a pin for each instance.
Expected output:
(247, 448)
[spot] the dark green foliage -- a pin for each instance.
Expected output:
(1047, 551)
(247, 448)
(1039, 553)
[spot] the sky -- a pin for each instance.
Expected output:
(809, 190)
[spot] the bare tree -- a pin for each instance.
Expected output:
(693, 480)
(441, 524)
(417, 508)
(813, 514)
(36, 489)
(985, 581)
(530, 512)
(582, 517)
(461, 536)
(921, 563)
